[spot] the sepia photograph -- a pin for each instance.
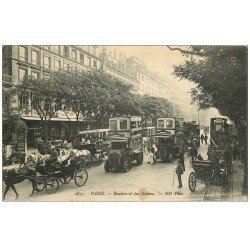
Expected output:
(124, 123)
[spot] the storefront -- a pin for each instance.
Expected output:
(15, 133)
(58, 129)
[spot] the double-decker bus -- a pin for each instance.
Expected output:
(125, 143)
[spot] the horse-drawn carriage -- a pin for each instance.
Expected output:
(70, 165)
(209, 173)
(45, 174)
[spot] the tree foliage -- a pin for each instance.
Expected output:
(151, 108)
(8, 108)
(93, 95)
(45, 98)
(220, 74)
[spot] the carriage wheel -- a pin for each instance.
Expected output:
(52, 185)
(80, 177)
(65, 179)
(39, 184)
(192, 181)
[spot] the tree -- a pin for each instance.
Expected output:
(220, 74)
(45, 98)
(10, 114)
(7, 103)
(108, 96)
(154, 107)
(74, 87)
(221, 77)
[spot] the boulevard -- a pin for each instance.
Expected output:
(146, 182)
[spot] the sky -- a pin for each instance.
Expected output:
(162, 59)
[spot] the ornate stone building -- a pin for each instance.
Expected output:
(38, 61)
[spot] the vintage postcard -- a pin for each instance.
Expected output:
(124, 123)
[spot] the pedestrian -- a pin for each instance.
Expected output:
(53, 156)
(236, 150)
(189, 146)
(181, 157)
(179, 172)
(49, 145)
(195, 143)
(153, 151)
(205, 138)
(227, 156)
(194, 153)
(202, 138)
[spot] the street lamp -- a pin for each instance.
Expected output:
(198, 112)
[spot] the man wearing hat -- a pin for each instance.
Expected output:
(53, 155)
(179, 172)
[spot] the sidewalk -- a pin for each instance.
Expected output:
(234, 186)
(235, 183)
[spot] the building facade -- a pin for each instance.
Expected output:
(149, 82)
(115, 65)
(37, 62)
(34, 61)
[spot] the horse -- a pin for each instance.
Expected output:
(15, 176)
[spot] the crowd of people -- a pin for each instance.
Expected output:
(232, 151)
(47, 148)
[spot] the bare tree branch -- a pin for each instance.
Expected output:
(185, 52)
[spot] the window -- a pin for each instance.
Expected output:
(34, 75)
(66, 51)
(46, 62)
(47, 105)
(89, 60)
(22, 53)
(169, 123)
(81, 58)
(113, 125)
(57, 49)
(160, 123)
(123, 124)
(34, 56)
(74, 56)
(66, 65)
(35, 104)
(57, 64)
(23, 102)
(22, 74)
(65, 108)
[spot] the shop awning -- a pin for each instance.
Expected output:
(59, 119)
